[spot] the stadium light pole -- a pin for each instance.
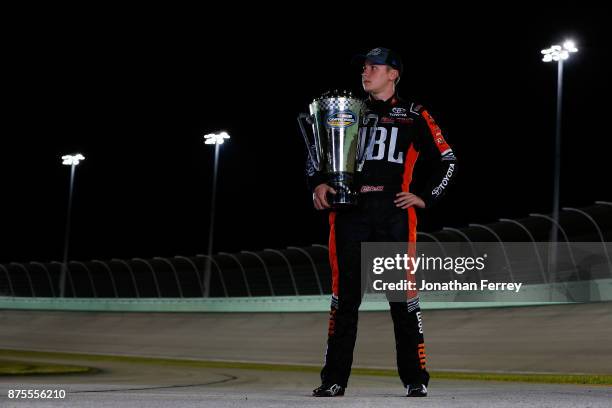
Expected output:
(558, 54)
(71, 160)
(216, 139)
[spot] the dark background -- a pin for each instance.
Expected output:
(136, 91)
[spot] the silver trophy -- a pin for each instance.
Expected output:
(339, 141)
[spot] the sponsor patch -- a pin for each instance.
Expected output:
(448, 155)
(398, 113)
(331, 326)
(438, 190)
(368, 189)
(404, 121)
(422, 355)
(420, 324)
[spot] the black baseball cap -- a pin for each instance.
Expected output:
(381, 56)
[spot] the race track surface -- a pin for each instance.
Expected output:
(563, 339)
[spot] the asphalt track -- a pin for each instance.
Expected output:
(561, 339)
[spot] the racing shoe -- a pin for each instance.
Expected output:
(416, 390)
(326, 390)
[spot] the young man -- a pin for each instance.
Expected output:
(385, 212)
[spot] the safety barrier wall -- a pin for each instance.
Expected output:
(294, 271)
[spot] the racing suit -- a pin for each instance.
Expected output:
(405, 132)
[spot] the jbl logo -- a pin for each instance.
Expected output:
(378, 145)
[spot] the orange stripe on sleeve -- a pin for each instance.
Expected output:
(436, 132)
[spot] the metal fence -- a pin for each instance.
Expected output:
(271, 272)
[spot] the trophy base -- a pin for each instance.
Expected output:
(342, 199)
(345, 196)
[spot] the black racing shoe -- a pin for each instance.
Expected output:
(326, 390)
(416, 390)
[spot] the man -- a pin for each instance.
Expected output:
(385, 212)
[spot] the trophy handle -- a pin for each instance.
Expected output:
(311, 147)
(366, 139)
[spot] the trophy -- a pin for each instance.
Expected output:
(339, 141)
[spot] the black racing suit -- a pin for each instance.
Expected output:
(406, 132)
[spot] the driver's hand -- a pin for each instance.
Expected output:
(319, 196)
(406, 200)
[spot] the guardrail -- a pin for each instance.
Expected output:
(289, 272)
(294, 271)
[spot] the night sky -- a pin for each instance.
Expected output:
(136, 93)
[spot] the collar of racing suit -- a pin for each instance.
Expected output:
(380, 105)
